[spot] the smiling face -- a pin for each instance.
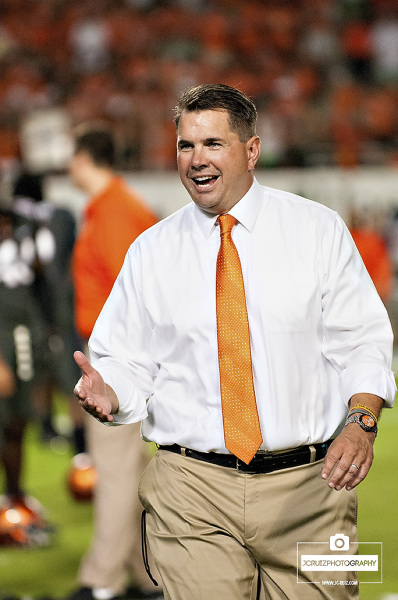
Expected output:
(215, 166)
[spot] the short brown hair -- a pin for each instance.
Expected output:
(242, 113)
(98, 141)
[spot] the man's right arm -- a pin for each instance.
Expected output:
(120, 344)
(94, 395)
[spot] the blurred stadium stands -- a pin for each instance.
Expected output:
(324, 74)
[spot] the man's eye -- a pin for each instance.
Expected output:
(185, 147)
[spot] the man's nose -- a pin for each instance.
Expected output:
(199, 158)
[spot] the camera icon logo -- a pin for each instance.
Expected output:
(339, 541)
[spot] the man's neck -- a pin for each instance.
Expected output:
(98, 181)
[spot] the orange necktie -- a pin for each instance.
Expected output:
(241, 424)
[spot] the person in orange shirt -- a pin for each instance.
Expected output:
(374, 252)
(114, 216)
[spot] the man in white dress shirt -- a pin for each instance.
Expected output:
(320, 343)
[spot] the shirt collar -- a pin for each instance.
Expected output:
(245, 211)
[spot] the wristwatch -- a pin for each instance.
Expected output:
(367, 422)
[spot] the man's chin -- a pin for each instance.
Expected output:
(205, 204)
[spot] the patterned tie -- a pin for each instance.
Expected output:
(241, 423)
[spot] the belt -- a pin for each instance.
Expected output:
(262, 462)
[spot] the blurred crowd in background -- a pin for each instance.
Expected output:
(324, 74)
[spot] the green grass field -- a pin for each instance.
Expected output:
(52, 571)
(378, 507)
(48, 571)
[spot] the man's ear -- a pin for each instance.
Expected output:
(253, 147)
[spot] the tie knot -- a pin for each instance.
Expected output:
(226, 223)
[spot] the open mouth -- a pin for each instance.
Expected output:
(205, 181)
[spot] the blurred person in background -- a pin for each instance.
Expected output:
(374, 250)
(7, 380)
(114, 216)
(53, 287)
(23, 253)
(7, 385)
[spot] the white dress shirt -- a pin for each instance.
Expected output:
(319, 332)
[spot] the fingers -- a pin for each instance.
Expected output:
(347, 463)
(94, 410)
(356, 477)
(346, 474)
(81, 388)
(83, 363)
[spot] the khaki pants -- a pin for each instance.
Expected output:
(119, 456)
(210, 526)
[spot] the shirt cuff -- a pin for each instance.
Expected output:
(368, 378)
(132, 404)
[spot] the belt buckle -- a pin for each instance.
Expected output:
(238, 466)
(240, 469)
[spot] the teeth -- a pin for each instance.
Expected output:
(204, 179)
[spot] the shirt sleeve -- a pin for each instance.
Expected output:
(119, 344)
(357, 334)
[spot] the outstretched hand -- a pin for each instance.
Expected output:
(97, 398)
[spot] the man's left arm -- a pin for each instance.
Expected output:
(351, 454)
(358, 342)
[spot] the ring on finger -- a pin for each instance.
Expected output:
(356, 466)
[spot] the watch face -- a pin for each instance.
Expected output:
(368, 421)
